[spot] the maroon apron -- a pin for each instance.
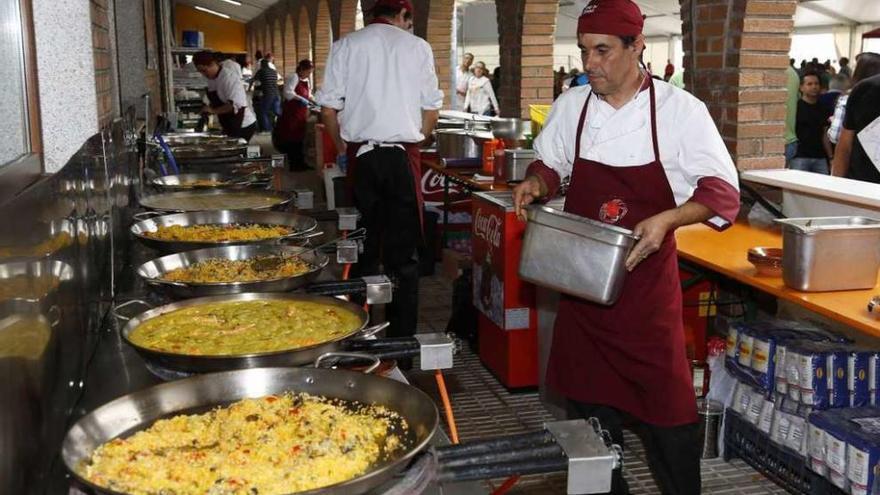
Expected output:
(229, 122)
(630, 355)
(294, 115)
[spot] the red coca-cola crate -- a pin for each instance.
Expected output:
(507, 323)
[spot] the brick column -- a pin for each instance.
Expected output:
(439, 36)
(278, 44)
(323, 37)
(525, 34)
(739, 49)
(103, 61)
(304, 35)
(289, 43)
(347, 14)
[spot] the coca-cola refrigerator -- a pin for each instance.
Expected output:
(507, 318)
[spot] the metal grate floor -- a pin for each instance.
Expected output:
(483, 407)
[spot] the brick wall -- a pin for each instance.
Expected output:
(278, 45)
(347, 14)
(103, 60)
(740, 54)
(303, 35)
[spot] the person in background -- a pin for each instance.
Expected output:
(226, 95)
(496, 80)
(643, 156)
(270, 100)
(792, 96)
(813, 147)
(463, 76)
(862, 109)
(256, 92)
(668, 71)
(839, 85)
(867, 65)
(290, 133)
(844, 67)
(677, 79)
(379, 100)
(802, 68)
(828, 68)
(558, 77)
(480, 97)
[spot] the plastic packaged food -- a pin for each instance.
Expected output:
(857, 377)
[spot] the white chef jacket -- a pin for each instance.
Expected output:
(289, 91)
(462, 79)
(381, 77)
(690, 146)
(480, 96)
(229, 89)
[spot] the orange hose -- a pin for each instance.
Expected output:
(447, 406)
(506, 486)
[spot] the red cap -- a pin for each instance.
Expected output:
(614, 17)
(399, 4)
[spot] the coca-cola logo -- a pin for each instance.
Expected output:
(432, 183)
(488, 227)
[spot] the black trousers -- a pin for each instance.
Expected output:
(673, 452)
(384, 193)
(294, 150)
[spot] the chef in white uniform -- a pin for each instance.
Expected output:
(380, 99)
(226, 96)
(644, 156)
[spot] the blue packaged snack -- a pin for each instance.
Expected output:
(838, 391)
(857, 376)
(873, 379)
(863, 453)
(806, 366)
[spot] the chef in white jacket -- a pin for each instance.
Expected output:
(644, 156)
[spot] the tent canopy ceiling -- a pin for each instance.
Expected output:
(663, 18)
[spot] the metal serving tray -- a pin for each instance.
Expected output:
(575, 255)
(830, 253)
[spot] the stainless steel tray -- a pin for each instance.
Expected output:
(830, 253)
(575, 255)
(186, 182)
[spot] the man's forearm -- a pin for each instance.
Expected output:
(331, 124)
(224, 109)
(840, 163)
(689, 213)
(429, 120)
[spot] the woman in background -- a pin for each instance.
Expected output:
(480, 97)
(290, 133)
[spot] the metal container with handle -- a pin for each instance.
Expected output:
(575, 255)
(830, 253)
(516, 162)
(454, 143)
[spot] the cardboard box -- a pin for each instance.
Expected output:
(454, 262)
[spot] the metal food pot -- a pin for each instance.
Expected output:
(516, 162)
(460, 143)
(516, 129)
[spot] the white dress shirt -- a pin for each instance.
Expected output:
(229, 89)
(462, 79)
(690, 146)
(289, 91)
(381, 78)
(480, 96)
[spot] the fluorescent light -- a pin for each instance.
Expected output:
(233, 2)
(218, 14)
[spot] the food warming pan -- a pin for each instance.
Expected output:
(137, 411)
(205, 199)
(301, 226)
(154, 271)
(575, 255)
(207, 364)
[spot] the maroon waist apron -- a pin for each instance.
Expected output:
(414, 157)
(630, 355)
(291, 126)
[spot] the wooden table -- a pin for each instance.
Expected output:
(725, 253)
